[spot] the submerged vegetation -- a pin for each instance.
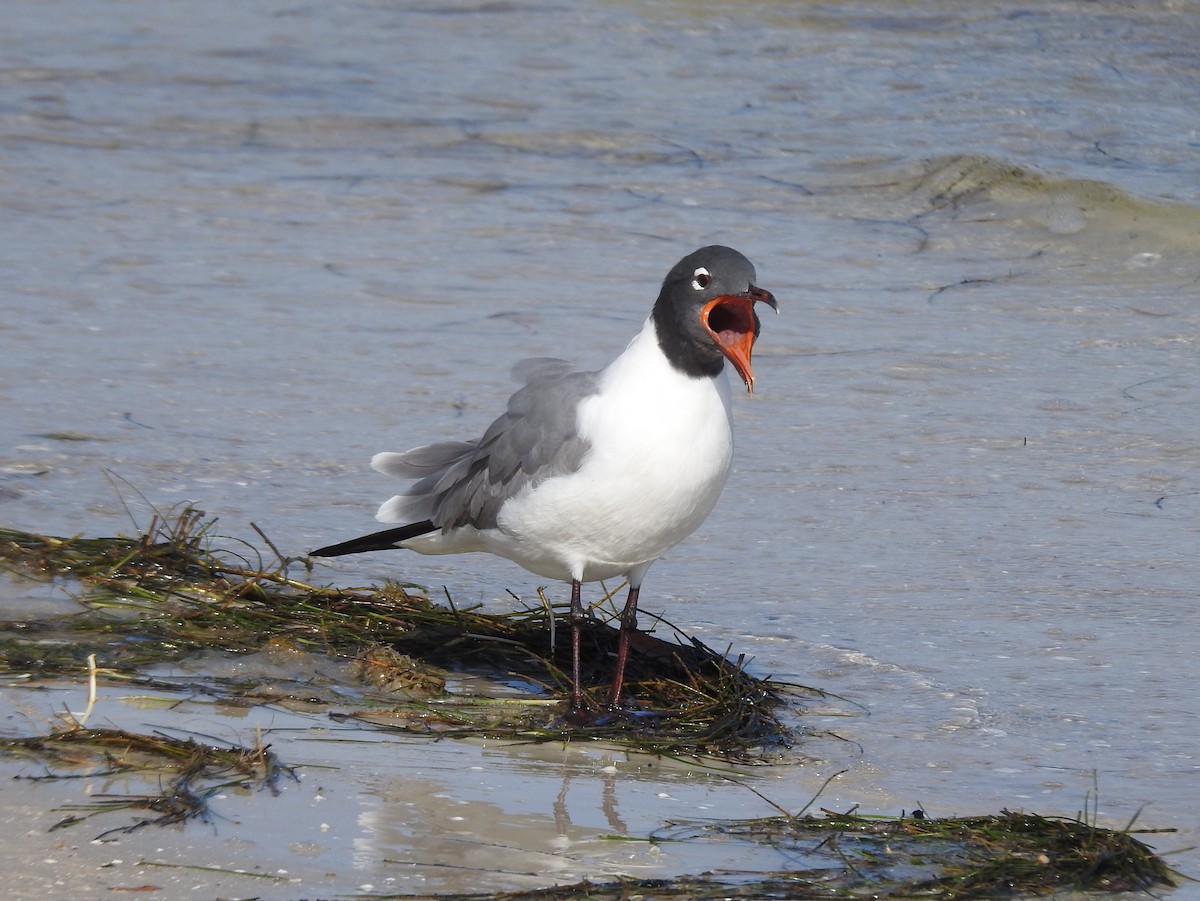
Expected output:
(168, 602)
(190, 772)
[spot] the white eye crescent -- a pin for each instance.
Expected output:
(700, 279)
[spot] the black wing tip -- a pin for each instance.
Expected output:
(340, 549)
(386, 540)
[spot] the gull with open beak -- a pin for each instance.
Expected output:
(594, 475)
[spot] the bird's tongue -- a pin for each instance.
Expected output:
(732, 336)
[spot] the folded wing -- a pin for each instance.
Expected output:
(465, 483)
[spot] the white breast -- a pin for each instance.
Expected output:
(661, 446)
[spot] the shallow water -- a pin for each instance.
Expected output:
(244, 253)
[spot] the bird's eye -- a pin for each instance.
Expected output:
(700, 279)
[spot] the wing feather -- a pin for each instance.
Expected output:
(466, 483)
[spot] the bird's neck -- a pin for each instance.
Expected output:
(677, 339)
(645, 361)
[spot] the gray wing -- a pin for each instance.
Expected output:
(461, 483)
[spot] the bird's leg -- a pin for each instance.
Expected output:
(628, 626)
(578, 705)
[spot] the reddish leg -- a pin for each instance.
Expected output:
(578, 709)
(628, 625)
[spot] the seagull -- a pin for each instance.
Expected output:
(594, 475)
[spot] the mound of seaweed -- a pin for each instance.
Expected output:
(841, 856)
(170, 595)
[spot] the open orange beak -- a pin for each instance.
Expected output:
(731, 320)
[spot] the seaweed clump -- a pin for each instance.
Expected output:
(170, 596)
(838, 856)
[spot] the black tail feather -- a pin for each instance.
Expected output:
(377, 541)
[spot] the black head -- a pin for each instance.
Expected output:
(705, 315)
